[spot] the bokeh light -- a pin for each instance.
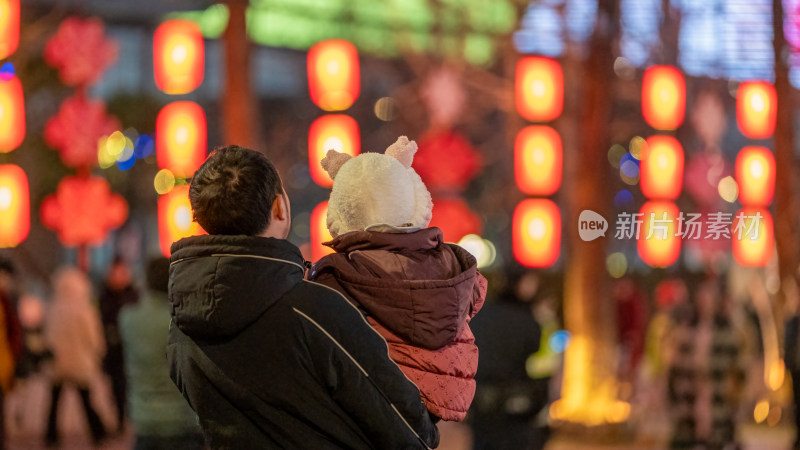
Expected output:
(164, 181)
(386, 109)
(728, 189)
(483, 250)
(617, 264)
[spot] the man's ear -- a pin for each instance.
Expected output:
(279, 208)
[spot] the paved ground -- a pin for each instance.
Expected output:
(26, 411)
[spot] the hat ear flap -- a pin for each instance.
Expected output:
(403, 150)
(333, 161)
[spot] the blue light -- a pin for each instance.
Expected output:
(7, 71)
(143, 147)
(623, 198)
(629, 168)
(559, 341)
(127, 164)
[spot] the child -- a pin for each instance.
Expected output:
(416, 291)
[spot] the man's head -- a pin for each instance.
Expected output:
(158, 274)
(238, 191)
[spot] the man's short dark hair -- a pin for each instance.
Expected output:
(157, 274)
(233, 191)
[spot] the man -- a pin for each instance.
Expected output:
(265, 358)
(161, 417)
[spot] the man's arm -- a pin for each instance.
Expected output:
(353, 360)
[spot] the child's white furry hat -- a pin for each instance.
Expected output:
(379, 192)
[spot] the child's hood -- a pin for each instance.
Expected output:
(419, 288)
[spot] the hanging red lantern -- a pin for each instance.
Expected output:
(756, 109)
(463, 160)
(181, 138)
(753, 237)
(536, 233)
(454, 217)
(658, 246)
(12, 114)
(661, 173)
(175, 219)
(663, 97)
(333, 74)
(538, 160)
(319, 232)
(178, 56)
(755, 175)
(539, 88)
(83, 211)
(331, 132)
(9, 27)
(15, 206)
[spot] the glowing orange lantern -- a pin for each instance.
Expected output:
(331, 132)
(755, 174)
(12, 114)
(538, 160)
(658, 246)
(175, 219)
(753, 237)
(455, 219)
(178, 56)
(181, 138)
(319, 232)
(9, 27)
(756, 109)
(536, 234)
(333, 74)
(15, 206)
(539, 88)
(662, 168)
(663, 97)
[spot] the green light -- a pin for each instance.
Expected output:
(478, 49)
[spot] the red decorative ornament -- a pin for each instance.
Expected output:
(77, 127)
(446, 161)
(455, 219)
(80, 51)
(83, 211)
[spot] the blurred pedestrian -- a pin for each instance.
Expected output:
(706, 372)
(10, 337)
(73, 332)
(162, 418)
(118, 291)
(507, 399)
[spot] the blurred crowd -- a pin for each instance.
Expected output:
(79, 337)
(689, 349)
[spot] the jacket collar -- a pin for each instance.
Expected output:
(427, 238)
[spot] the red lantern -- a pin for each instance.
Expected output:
(178, 56)
(536, 233)
(756, 109)
(175, 219)
(83, 211)
(753, 237)
(15, 206)
(663, 97)
(662, 168)
(539, 88)
(319, 232)
(12, 114)
(455, 219)
(755, 174)
(538, 160)
(657, 243)
(463, 161)
(331, 132)
(9, 27)
(333, 74)
(181, 138)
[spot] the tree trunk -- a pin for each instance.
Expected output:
(239, 102)
(589, 390)
(786, 206)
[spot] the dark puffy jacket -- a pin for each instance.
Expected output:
(420, 295)
(268, 360)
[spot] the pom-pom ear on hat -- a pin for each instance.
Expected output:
(377, 191)
(333, 161)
